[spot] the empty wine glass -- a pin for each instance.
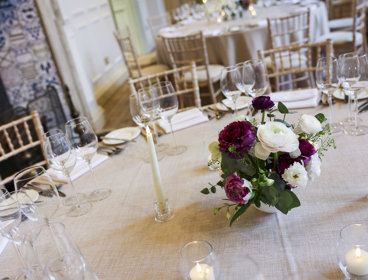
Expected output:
(247, 77)
(150, 106)
(327, 82)
(37, 183)
(349, 72)
(84, 141)
(230, 81)
(168, 107)
(255, 77)
(60, 156)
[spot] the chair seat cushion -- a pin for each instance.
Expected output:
(214, 71)
(154, 69)
(340, 23)
(286, 61)
(147, 59)
(342, 37)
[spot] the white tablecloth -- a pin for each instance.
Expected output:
(227, 47)
(121, 240)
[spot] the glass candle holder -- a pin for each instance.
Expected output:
(199, 261)
(352, 251)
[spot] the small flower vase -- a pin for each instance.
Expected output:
(266, 208)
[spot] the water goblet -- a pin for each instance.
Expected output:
(327, 82)
(230, 81)
(150, 106)
(84, 141)
(168, 107)
(61, 156)
(256, 78)
(199, 261)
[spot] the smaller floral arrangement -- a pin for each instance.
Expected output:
(264, 162)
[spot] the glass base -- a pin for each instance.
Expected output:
(356, 131)
(162, 147)
(336, 127)
(159, 155)
(71, 200)
(350, 121)
(99, 194)
(163, 212)
(80, 210)
(178, 150)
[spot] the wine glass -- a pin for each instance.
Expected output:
(37, 183)
(150, 106)
(60, 156)
(168, 107)
(84, 141)
(230, 81)
(327, 82)
(247, 77)
(256, 78)
(349, 74)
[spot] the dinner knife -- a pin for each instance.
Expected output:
(363, 107)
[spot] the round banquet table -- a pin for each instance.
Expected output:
(236, 41)
(120, 239)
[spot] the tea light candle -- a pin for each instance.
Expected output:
(202, 272)
(357, 261)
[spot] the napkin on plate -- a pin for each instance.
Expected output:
(81, 167)
(295, 99)
(183, 120)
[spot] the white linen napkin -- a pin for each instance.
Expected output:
(183, 120)
(295, 99)
(81, 167)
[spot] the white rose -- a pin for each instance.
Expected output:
(314, 167)
(308, 124)
(275, 137)
(296, 175)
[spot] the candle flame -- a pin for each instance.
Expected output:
(204, 1)
(252, 10)
(358, 252)
(148, 130)
(219, 19)
(198, 267)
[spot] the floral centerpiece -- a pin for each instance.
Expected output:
(263, 163)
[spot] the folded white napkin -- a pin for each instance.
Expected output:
(81, 167)
(183, 120)
(295, 99)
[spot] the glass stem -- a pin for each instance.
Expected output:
(93, 174)
(155, 132)
(349, 104)
(330, 113)
(73, 188)
(172, 133)
(235, 112)
(356, 124)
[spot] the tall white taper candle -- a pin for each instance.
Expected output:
(155, 168)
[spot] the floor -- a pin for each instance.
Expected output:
(116, 108)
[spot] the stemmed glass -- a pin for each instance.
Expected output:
(327, 81)
(151, 107)
(61, 156)
(247, 81)
(169, 105)
(85, 143)
(256, 78)
(350, 73)
(230, 81)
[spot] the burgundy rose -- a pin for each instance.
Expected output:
(236, 139)
(262, 103)
(306, 151)
(235, 190)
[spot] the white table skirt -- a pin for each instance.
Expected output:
(121, 240)
(226, 47)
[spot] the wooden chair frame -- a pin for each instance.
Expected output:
(192, 48)
(177, 78)
(305, 69)
(129, 52)
(16, 144)
(285, 29)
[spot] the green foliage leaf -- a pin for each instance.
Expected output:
(230, 166)
(270, 195)
(205, 191)
(282, 121)
(288, 200)
(240, 211)
(320, 117)
(213, 189)
(282, 108)
(228, 215)
(217, 210)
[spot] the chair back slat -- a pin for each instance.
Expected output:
(295, 64)
(178, 79)
(16, 137)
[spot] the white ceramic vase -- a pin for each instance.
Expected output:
(266, 208)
